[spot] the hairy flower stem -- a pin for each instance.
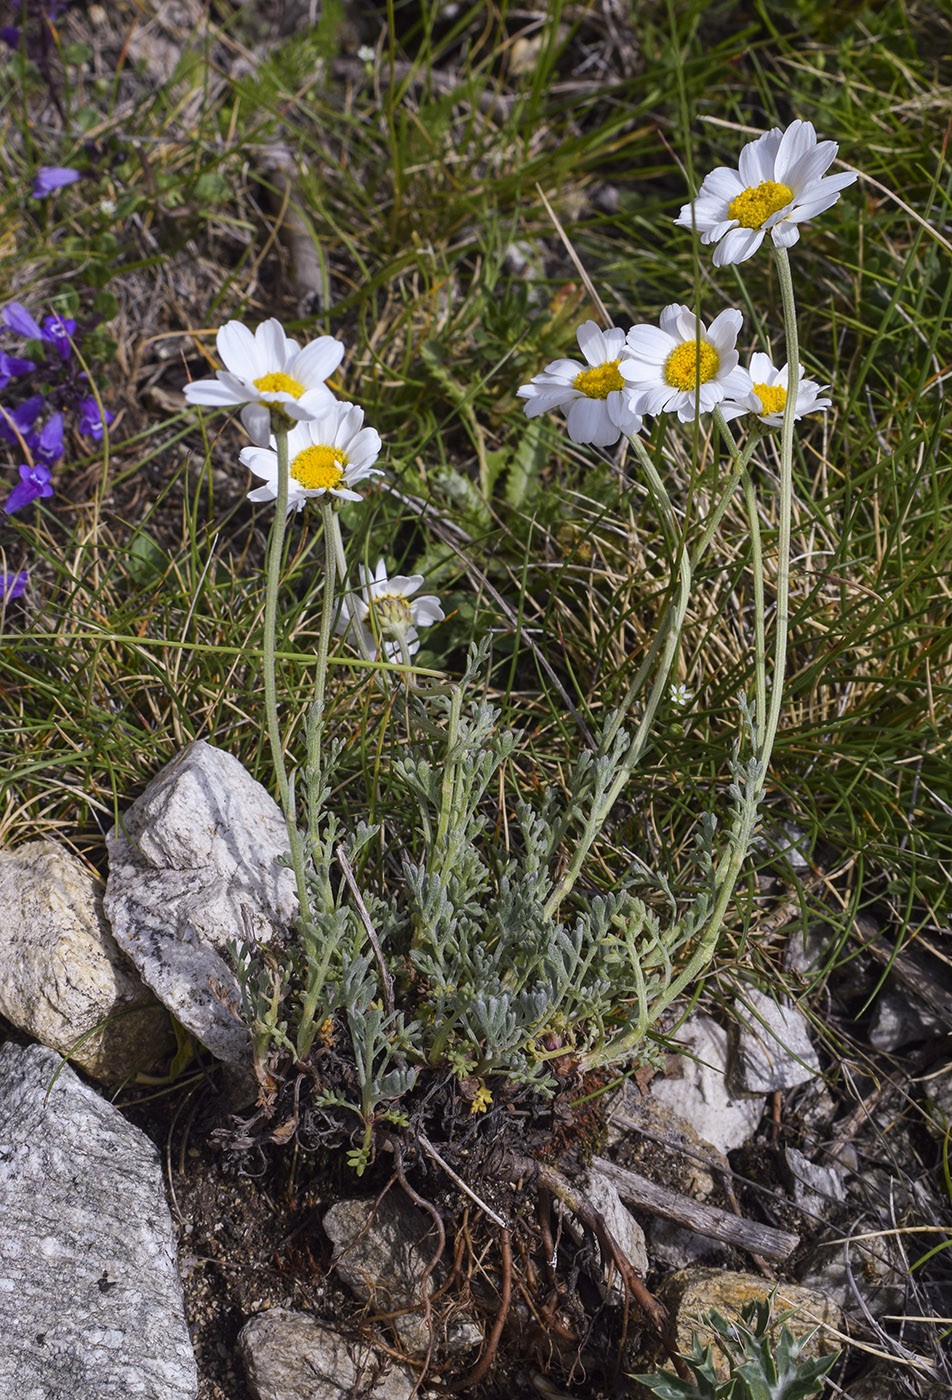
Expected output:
(757, 570)
(782, 616)
(315, 717)
(273, 579)
(672, 625)
(738, 842)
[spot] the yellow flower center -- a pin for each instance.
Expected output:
(599, 382)
(772, 396)
(393, 611)
(690, 364)
(752, 208)
(319, 468)
(278, 383)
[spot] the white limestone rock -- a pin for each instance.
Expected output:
(698, 1089)
(90, 1299)
(193, 866)
(292, 1356)
(63, 978)
(774, 1049)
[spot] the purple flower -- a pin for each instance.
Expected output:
(17, 317)
(10, 36)
(49, 444)
(13, 585)
(16, 422)
(91, 422)
(57, 331)
(53, 177)
(34, 482)
(10, 365)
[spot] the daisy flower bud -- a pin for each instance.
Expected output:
(269, 372)
(327, 455)
(384, 608)
(682, 366)
(594, 397)
(778, 184)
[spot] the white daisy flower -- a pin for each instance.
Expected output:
(778, 184)
(385, 609)
(682, 367)
(327, 455)
(593, 396)
(767, 397)
(267, 371)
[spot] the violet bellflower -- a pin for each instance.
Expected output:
(16, 316)
(58, 331)
(34, 483)
(16, 423)
(13, 585)
(11, 366)
(50, 444)
(53, 177)
(93, 423)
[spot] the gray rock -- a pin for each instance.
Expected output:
(63, 978)
(700, 1093)
(194, 865)
(90, 1299)
(866, 1278)
(381, 1253)
(774, 1049)
(806, 952)
(897, 1021)
(816, 1189)
(675, 1247)
(291, 1356)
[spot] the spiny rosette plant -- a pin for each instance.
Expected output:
(456, 957)
(762, 1363)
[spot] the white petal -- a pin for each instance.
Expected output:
(211, 392)
(263, 493)
(799, 140)
(722, 185)
(564, 369)
(236, 348)
(427, 610)
(271, 343)
(785, 234)
(649, 344)
(614, 342)
(761, 369)
(256, 421)
(620, 408)
(738, 245)
(317, 361)
(591, 343)
(758, 157)
(588, 422)
(668, 320)
(724, 330)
